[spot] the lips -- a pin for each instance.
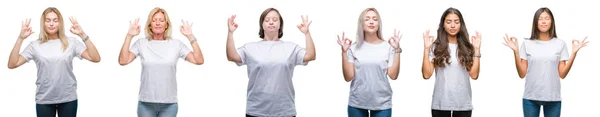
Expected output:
(371, 27)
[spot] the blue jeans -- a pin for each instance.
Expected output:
(531, 108)
(358, 112)
(148, 109)
(67, 109)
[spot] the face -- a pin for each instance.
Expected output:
(271, 22)
(544, 22)
(159, 23)
(51, 23)
(452, 24)
(371, 22)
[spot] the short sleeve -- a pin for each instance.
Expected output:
(523, 51)
(391, 57)
(184, 51)
(431, 55)
(135, 48)
(299, 53)
(241, 51)
(564, 53)
(79, 48)
(28, 52)
(350, 55)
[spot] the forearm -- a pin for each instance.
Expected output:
(347, 68)
(124, 54)
(14, 53)
(197, 52)
(521, 70)
(564, 70)
(427, 66)
(91, 49)
(232, 54)
(394, 70)
(474, 73)
(310, 48)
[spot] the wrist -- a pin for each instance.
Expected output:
(190, 37)
(307, 34)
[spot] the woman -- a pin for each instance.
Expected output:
(53, 54)
(454, 60)
(368, 64)
(543, 60)
(270, 65)
(159, 54)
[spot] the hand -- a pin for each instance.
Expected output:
(428, 39)
(231, 24)
(304, 25)
(25, 29)
(579, 44)
(134, 27)
(186, 28)
(395, 40)
(476, 40)
(76, 28)
(344, 42)
(511, 42)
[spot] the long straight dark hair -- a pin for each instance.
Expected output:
(464, 49)
(535, 32)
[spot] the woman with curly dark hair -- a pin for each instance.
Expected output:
(455, 59)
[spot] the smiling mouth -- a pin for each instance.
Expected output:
(372, 27)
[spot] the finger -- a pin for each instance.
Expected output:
(343, 35)
(584, 39)
(309, 22)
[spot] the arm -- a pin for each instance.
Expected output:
(15, 59)
(521, 65)
(347, 67)
(310, 54)
(564, 67)
(427, 66)
(91, 53)
(394, 70)
(474, 73)
(195, 56)
(126, 56)
(232, 54)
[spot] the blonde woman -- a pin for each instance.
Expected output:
(53, 54)
(367, 64)
(159, 54)
(270, 65)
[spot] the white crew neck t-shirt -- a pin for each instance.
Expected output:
(55, 82)
(370, 88)
(159, 66)
(542, 82)
(270, 67)
(452, 89)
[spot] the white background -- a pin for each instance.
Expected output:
(218, 88)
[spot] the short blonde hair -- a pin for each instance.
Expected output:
(61, 27)
(167, 33)
(360, 32)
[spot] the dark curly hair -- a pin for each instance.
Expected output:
(465, 48)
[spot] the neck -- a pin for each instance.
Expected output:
(52, 36)
(544, 36)
(371, 37)
(271, 37)
(158, 36)
(452, 39)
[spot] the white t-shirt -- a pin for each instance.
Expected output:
(543, 82)
(452, 89)
(270, 67)
(55, 82)
(370, 89)
(159, 66)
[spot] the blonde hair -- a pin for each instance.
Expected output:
(167, 33)
(360, 32)
(61, 27)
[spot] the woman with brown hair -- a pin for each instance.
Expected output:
(270, 65)
(455, 59)
(53, 54)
